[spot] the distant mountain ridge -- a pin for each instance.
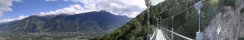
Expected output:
(100, 21)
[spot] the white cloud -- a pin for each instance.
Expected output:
(155, 2)
(130, 8)
(13, 19)
(73, 9)
(5, 5)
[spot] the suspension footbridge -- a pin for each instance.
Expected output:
(159, 32)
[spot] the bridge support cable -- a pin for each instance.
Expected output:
(202, 2)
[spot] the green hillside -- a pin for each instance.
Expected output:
(185, 23)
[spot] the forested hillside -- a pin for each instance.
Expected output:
(184, 23)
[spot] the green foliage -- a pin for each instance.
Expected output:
(133, 30)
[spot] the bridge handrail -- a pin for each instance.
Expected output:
(178, 34)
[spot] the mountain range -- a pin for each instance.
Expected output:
(96, 21)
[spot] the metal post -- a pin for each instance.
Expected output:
(199, 21)
(148, 17)
(172, 36)
(198, 6)
(148, 5)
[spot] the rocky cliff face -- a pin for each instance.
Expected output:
(227, 24)
(223, 26)
(241, 9)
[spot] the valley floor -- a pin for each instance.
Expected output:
(47, 36)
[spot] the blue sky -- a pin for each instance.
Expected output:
(30, 7)
(11, 10)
